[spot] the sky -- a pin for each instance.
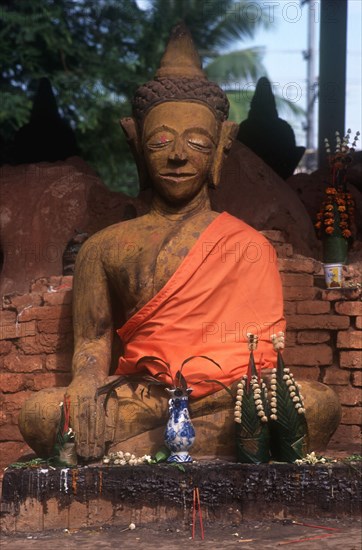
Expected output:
(287, 70)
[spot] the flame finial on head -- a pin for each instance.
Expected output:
(180, 78)
(180, 58)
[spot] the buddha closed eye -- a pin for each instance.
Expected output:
(193, 139)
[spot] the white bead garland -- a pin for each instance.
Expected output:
(278, 341)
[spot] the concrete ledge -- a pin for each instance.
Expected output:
(36, 499)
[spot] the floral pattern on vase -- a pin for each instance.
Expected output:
(180, 433)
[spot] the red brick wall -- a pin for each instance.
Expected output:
(324, 343)
(35, 352)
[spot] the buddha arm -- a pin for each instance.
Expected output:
(93, 337)
(92, 315)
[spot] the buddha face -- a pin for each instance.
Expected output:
(179, 141)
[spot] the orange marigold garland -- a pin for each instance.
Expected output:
(336, 216)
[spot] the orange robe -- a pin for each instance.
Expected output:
(228, 285)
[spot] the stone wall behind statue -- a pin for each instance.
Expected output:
(324, 343)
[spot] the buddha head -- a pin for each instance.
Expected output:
(179, 134)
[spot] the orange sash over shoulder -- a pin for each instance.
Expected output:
(227, 286)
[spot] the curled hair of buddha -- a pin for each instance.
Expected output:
(180, 89)
(180, 78)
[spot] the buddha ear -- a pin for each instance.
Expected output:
(130, 129)
(228, 133)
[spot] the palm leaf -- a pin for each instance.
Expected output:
(286, 107)
(289, 432)
(202, 357)
(131, 380)
(252, 435)
(209, 380)
(237, 66)
(239, 104)
(180, 380)
(229, 21)
(152, 358)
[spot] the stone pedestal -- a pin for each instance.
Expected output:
(36, 499)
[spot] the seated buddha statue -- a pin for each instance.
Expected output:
(177, 282)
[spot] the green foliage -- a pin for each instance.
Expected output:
(161, 455)
(97, 53)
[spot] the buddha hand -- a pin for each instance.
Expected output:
(87, 417)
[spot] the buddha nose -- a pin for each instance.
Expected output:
(177, 152)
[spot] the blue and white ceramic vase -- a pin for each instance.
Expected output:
(180, 433)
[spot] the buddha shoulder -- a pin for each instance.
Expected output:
(109, 238)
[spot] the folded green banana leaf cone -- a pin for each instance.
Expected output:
(288, 425)
(251, 414)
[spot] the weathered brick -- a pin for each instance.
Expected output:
(46, 343)
(313, 307)
(290, 338)
(359, 322)
(334, 375)
(78, 514)
(13, 382)
(7, 317)
(65, 285)
(305, 373)
(10, 431)
(55, 325)
(12, 402)
(320, 354)
(59, 362)
(58, 298)
(296, 279)
(283, 250)
(15, 362)
(51, 380)
(326, 322)
(5, 347)
(58, 518)
(67, 280)
(21, 301)
(11, 451)
(350, 359)
(299, 293)
(341, 294)
(46, 312)
(313, 337)
(346, 438)
(299, 265)
(17, 330)
(349, 308)
(40, 285)
(4, 419)
(352, 415)
(55, 280)
(351, 339)
(348, 395)
(289, 308)
(357, 378)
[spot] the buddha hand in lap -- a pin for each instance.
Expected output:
(179, 281)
